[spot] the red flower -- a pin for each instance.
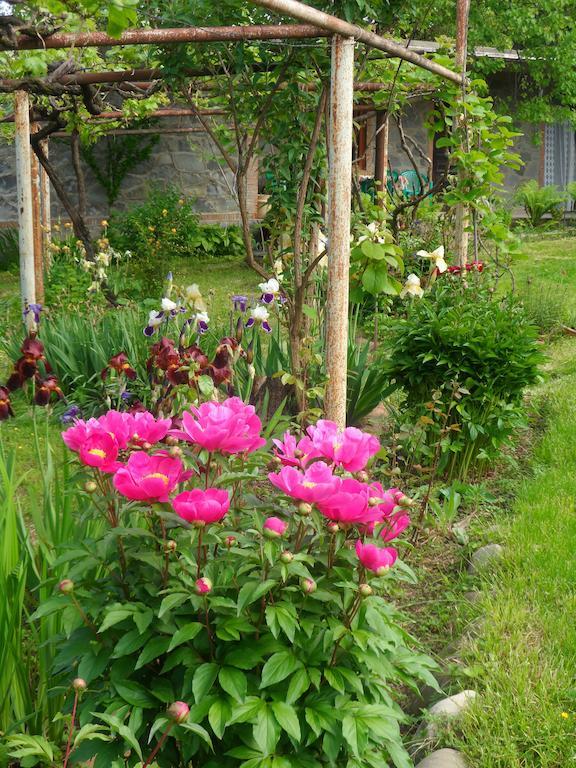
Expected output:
(45, 388)
(5, 406)
(120, 364)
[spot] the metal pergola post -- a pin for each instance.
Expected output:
(25, 208)
(340, 135)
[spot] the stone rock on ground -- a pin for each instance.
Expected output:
(484, 557)
(447, 709)
(443, 758)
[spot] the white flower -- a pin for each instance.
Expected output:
(202, 317)
(437, 257)
(101, 274)
(154, 319)
(373, 227)
(279, 269)
(193, 292)
(260, 314)
(94, 286)
(86, 265)
(412, 287)
(272, 286)
(168, 305)
(103, 258)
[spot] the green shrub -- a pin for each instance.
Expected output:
(165, 226)
(463, 358)
(539, 201)
(9, 250)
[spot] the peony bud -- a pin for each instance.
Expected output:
(286, 557)
(274, 527)
(308, 586)
(333, 527)
(66, 586)
(146, 446)
(362, 476)
(175, 451)
(274, 463)
(374, 501)
(171, 440)
(304, 509)
(79, 685)
(90, 486)
(230, 541)
(171, 545)
(365, 590)
(178, 711)
(203, 586)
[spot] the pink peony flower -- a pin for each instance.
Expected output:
(376, 559)
(178, 711)
(144, 428)
(274, 527)
(294, 453)
(349, 448)
(394, 526)
(125, 428)
(313, 485)
(348, 503)
(75, 436)
(202, 507)
(228, 427)
(149, 478)
(203, 586)
(100, 450)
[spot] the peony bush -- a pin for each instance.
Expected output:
(232, 610)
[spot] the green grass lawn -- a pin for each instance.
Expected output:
(525, 716)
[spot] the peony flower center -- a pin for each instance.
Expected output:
(159, 475)
(97, 452)
(308, 484)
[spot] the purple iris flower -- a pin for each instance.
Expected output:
(153, 323)
(126, 396)
(202, 326)
(70, 414)
(266, 326)
(267, 298)
(240, 302)
(36, 310)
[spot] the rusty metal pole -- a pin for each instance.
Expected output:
(381, 158)
(46, 215)
(340, 135)
(37, 224)
(24, 191)
(462, 216)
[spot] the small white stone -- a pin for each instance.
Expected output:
(443, 758)
(446, 709)
(484, 557)
(453, 705)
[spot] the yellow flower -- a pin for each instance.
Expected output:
(165, 212)
(181, 201)
(173, 230)
(103, 223)
(68, 225)
(565, 715)
(151, 229)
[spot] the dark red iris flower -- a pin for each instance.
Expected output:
(121, 365)
(5, 405)
(44, 388)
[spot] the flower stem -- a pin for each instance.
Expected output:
(71, 731)
(158, 746)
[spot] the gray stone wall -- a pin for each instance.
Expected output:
(185, 160)
(188, 161)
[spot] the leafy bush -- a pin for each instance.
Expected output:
(9, 249)
(165, 226)
(245, 630)
(463, 358)
(540, 201)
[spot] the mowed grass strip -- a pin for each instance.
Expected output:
(525, 716)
